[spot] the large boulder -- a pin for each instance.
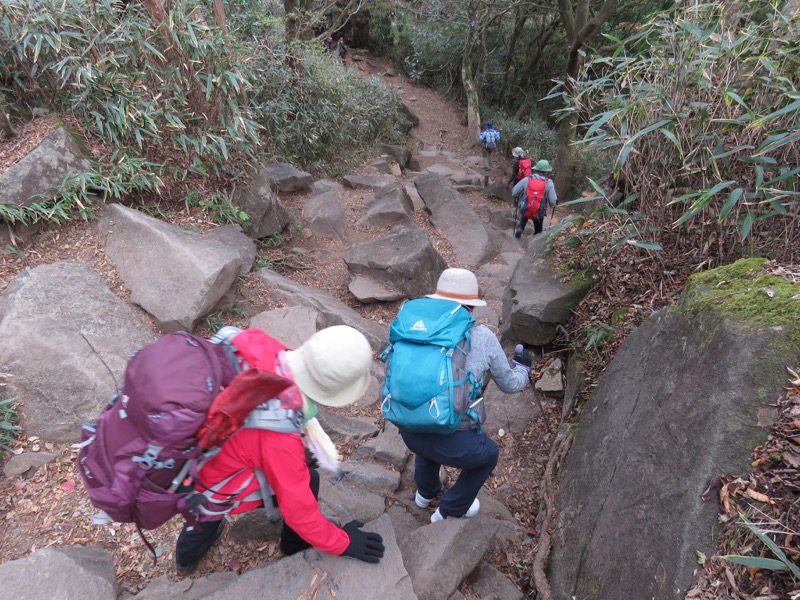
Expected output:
(233, 236)
(65, 338)
(286, 177)
(331, 311)
(389, 206)
(404, 261)
(401, 154)
(177, 276)
(451, 214)
(323, 212)
(59, 156)
(537, 300)
(86, 573)
(441, 555)
(677, 405)
(314, 574)
(267, 216)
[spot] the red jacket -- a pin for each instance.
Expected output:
(281, 456)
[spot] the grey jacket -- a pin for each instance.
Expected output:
(520, 190)
(486, 359)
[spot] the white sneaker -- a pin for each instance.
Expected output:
(422, 501)
(473, 510)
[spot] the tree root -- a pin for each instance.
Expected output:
(538, 578)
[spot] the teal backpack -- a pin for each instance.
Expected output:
(426, 388)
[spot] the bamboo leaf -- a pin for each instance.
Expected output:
(746, 226)
(772, 143)
(789, 108)
(600, 121)
(622, 157)
(733, 199)
(756, 562)
(645, 245)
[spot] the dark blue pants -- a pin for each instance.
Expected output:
(474, 453)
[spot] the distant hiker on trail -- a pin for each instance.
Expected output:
(331, 368)
(341, 49)
(520, 168)
(489, 139)
(463, 444)
(327, 45)
(533, 194)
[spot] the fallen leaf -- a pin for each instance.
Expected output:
(758, 496)
(767, 417)
(791, 459)
(68, 486)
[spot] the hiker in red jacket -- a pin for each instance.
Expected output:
(331, 368)
(520, 168)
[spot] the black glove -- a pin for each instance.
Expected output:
(364, 545)
(311, 460)
(522, 357)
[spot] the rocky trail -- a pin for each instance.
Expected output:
(50, 509)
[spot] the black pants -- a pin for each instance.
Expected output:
(537, 224)
(195, 542)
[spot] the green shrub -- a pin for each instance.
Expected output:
(202, 105)
(701, 109)
(9, 419)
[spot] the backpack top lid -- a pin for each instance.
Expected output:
(431, 321)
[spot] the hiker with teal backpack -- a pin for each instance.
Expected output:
(435, 367)
(532, 195)
(489, 139)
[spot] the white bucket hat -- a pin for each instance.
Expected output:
(459, 285)
(518, 152)
(332, 366)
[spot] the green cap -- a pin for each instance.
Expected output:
(543, 166)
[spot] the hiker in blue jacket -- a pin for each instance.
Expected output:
(470, 450)
(489, 139)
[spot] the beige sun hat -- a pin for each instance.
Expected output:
(332, 366)
(460, 285)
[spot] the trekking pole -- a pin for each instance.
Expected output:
(552, 214)
(518, 350)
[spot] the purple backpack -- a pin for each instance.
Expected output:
(135, 458)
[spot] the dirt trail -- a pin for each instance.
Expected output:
(50, 508)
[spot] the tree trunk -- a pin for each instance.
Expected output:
(519, 22)
(470, 87)
(579, 30)
(219, 15)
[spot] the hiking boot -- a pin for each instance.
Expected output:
(192, 567)
(517, 232)
(473, 510)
